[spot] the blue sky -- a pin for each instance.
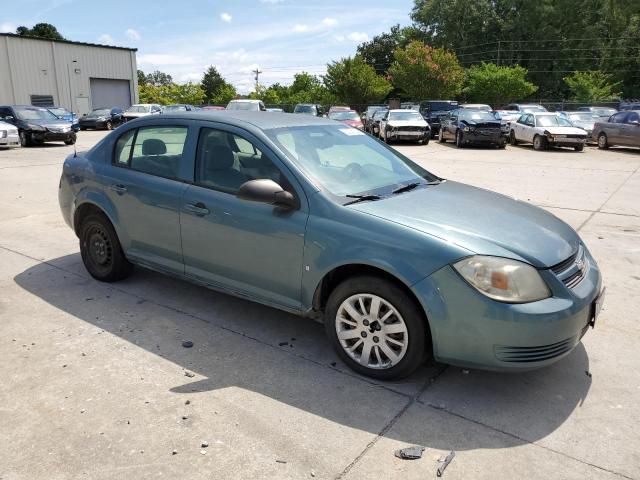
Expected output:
(182, 38)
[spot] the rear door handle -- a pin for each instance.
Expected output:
(199, 209)
(118, 188)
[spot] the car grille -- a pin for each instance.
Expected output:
(572, 270)
(410, 129)
(535, 354)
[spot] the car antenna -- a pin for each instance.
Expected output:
(75, 151)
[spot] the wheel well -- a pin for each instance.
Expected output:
(82, 212)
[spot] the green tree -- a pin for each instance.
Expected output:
(352, 81)
(378, 52)
(595, 86)
(226, 93)
(425, 72)
(142, 78)
(159, 78)
(190, 93)
(212, 83)
(497, 86)
(43, 30)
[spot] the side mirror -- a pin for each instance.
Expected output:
(266, 191)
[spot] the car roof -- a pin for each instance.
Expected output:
(401, 110)
(240, 118)
(246, 100)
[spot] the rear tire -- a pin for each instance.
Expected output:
(70, 141)
(25, 141)
(603, 141)
(441, 138)
(101, 251)
(403, 334)
(502, 145)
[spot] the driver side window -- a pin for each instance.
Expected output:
(225, 161)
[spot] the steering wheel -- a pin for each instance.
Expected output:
(353, 171)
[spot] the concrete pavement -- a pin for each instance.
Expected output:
(96, 383)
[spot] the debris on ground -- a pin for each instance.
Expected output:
(204, 444)
(187, 344)
(189, 374)
(203, 452)
(410, 453)
(280, 461)
(184, 417)
(187, 402)
(444, 461)
(313, 474)
(174, 452)
(587, 373)
(333, 364)
(283, 344)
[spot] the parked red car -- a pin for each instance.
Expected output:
(350, 117)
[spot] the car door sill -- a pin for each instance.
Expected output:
(220, 288)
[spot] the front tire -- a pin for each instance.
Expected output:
(578, 148)
(459, 139)
(71, 141)
(24, 139)
(539, 143)
(376, 328)
(101, 251)
(512, 138)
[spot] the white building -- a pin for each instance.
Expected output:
(75, 75)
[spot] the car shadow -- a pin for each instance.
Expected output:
(237, 345)
(452, 144)
(529, 146)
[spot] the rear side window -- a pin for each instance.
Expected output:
(618, 117)
(123, 148)
(633, 118)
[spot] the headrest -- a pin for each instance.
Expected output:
(218, 157)
(153, 146)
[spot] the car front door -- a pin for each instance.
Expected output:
(630, 131)
(529, 128)
(519, 127)
(252, 249)
(145, 183)
(614, 128)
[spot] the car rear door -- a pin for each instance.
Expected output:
(630, 130)
(145, 183)
(252, 249)
(614, 128)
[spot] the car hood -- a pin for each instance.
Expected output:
(407, 123)
(584, 125)
(564, 130)
(136, 114)
(481, 221)
(489, 124)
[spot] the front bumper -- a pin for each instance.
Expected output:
(9, 139)
(94, 124)
(469, 329)
(565, 142)
(484, 138)
(49, 136)
(414, 135)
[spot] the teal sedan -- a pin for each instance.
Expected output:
(314, 217)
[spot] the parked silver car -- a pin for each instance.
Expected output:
(623, 129)
(9, 135)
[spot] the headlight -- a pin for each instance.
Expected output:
(503, 279)
(466, 129)
(33, 126)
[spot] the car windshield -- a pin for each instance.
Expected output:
(552, 121)
(346, 161)
(175, 108)
(476, 115)
(379, 113)
(34, 114)
(304, 109)
(344, 116)
(101, 112)
(60, 112)
(138, 108)
(603, 112)
(242, 106)
(442, 106)
(409, 115)
(532, 108)
(485, 108)
(582, 117)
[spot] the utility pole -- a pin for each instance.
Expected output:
(257, 73)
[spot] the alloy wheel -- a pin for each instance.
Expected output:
(371, 331)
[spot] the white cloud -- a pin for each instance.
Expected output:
(300, 27)
(339, 38)
(271, 1)
(7, 27)
(105, 38)
(132, 34)
(329, 22)
(358, 37)
(226, 17)
(157, 60)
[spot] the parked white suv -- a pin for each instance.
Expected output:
(547, 130)
(141, 110)
(246, 104)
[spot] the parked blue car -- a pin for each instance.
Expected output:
(317, 218)
(64, 114)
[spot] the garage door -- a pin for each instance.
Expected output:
(106, 92)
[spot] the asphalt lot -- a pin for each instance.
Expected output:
(95, 381)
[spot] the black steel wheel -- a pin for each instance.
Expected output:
(101, 251)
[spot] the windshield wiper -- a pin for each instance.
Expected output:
(411, 186)
(362, 198)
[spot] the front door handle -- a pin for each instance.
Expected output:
(199, 209)
(118, 188)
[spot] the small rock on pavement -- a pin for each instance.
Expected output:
(410, 453)
(203, 452)
(204, 444)
(280, 461)
(174, 452)
(187, 344)
(283, 344)
(189, 374)
(187, 402)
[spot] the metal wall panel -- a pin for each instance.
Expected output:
(37, 67)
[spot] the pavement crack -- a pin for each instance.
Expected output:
(521, 439)
(608, 198)
(430, 381)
